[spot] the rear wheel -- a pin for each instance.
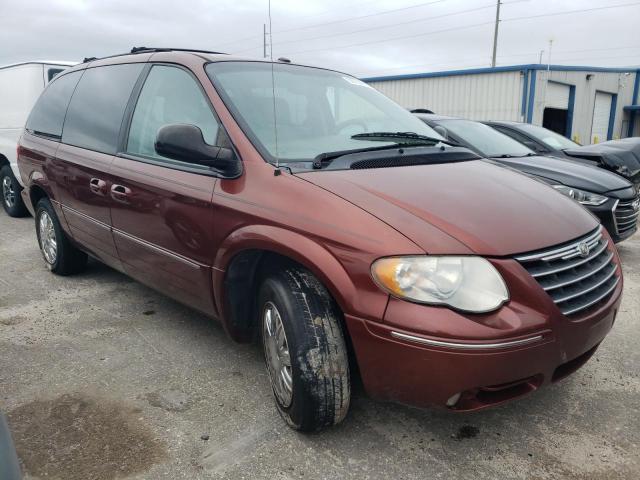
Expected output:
(60, 255)
(304, 349)
(11, 198)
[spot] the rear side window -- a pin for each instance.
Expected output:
(170, 95)
(97, 107)
(47, 116)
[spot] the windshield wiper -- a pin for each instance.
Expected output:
(510, 155)
(328, 156)
(407, 137)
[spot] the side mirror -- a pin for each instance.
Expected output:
(442, 131)
(185, 143)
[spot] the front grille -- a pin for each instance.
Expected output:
(626, 215)
(578, 275)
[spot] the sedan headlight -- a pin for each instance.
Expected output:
(581, 196)
(470, 284)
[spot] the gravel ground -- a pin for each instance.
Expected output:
(102, 378)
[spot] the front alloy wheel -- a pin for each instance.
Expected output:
(304, 348)
(276, 349)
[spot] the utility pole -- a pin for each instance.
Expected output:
(540, 59)
(264, 40)
(495, 35)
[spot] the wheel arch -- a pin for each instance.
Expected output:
(39, 187)
(248, 253)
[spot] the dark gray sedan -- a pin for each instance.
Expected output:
(619, 156)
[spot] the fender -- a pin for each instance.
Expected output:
(320, 261)
(39, 180)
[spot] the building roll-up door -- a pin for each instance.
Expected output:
(601, 114)
(557, 96)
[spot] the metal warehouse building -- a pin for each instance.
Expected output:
(588, 104)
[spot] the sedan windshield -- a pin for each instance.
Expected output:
(550, 138)
(484, 139)
(297, 113)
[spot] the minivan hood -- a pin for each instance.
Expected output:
(568, 172)
(621, 156)
(488, 210)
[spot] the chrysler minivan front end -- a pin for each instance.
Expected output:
(508, 305)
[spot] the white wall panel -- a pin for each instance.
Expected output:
(490, 96)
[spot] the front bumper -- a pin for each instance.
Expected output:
(422, 355)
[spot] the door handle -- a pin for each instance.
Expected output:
(97, 186)
(120, 193)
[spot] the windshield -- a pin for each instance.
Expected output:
(484, 139)
(316, 111)
(551, 139)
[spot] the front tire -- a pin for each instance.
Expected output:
(305, 350)
(60, 255)
(10, 194)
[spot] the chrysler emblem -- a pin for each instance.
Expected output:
(583, 248)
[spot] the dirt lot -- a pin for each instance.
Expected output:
(103, 378)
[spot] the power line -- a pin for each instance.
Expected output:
(582, 10)
(343, 20)
(359, 17)
(333, 35)
(326, 12)
(460, 28)
(465, 27)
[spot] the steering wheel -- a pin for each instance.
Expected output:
(353, 121)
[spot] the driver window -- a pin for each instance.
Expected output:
(170, 95)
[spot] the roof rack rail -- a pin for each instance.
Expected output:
(168, 49)
(135, 50)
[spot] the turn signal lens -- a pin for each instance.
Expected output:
(465, 283)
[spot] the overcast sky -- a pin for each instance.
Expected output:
(362, 37)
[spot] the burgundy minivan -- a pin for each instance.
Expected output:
(300, 206)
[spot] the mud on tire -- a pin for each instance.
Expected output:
(321, 389)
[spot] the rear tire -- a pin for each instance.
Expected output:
(60, 255)
(10, 194)
(304, 349)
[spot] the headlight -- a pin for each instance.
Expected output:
(471, 284)
(581, 196)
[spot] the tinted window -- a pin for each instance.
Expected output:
(551, 139)
(97, 107)
(523, 139)
(169, 95)
(484, 139)
(47, 115)
(53, 72)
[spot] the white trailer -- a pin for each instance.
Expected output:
(20, 87)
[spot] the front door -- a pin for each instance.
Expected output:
(161, 208)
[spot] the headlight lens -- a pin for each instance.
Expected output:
(471, 284)
(582, 196)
